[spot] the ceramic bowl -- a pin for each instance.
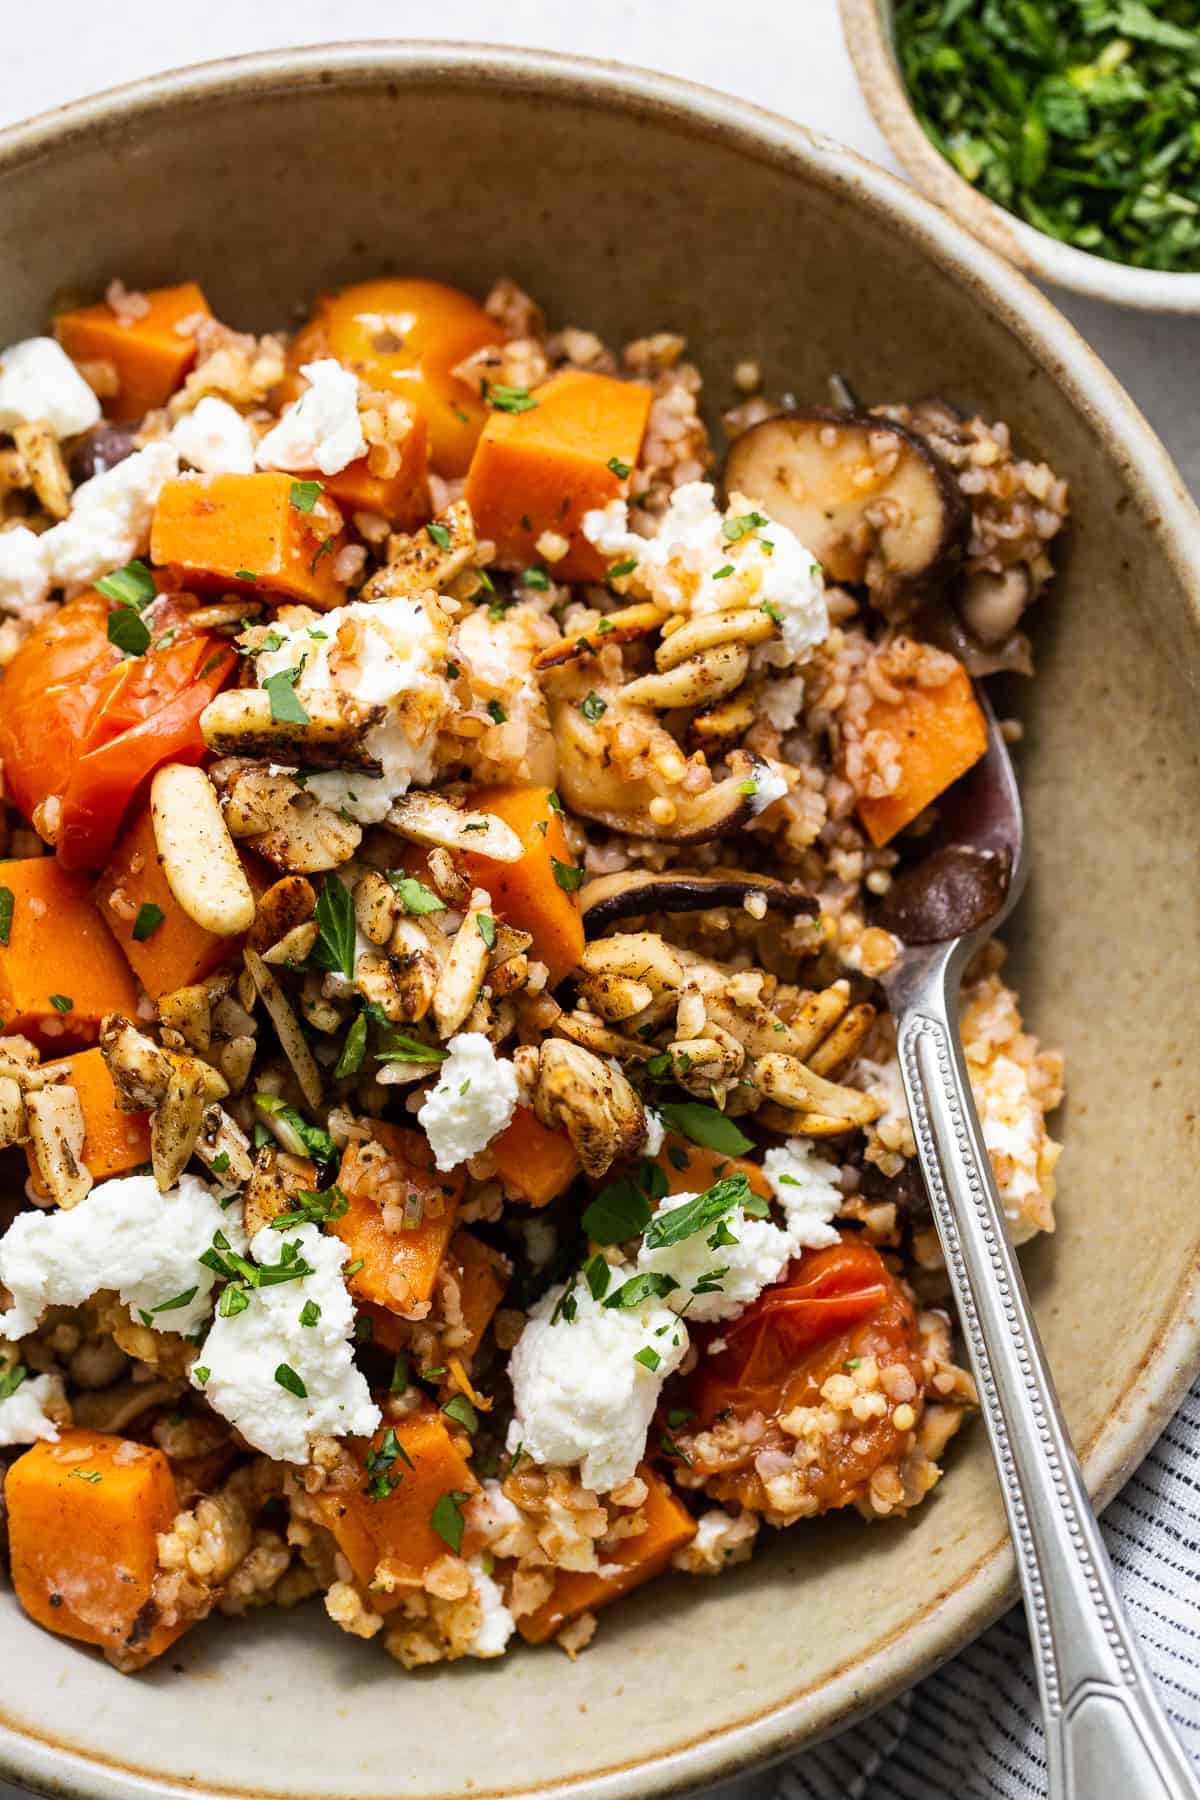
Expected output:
(868, 28)
(628, 203)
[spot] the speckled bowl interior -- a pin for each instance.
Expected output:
(629, 203)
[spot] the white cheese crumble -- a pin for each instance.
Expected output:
(804, 1185)
(782, 702)
(474, 1099)
(656, 1132)
(109, 521)
(730, 1275)
(692, 564)
(321, 430)
(386, 654)
(1021, 1152)
(24, 1418)
(126, 1236)
(39, 384)
(24, 570)
(770, 786)
(497, 1624)
(579, 1393)
(215, 439)
(245, 1353)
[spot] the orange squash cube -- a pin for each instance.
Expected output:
(61, 970)
(542, 469)
(243, 534)
(83, 1519)
(669, 1526)
(151, 356)
(538, 1164)
(399, 1268)
(402, 498)
(527, 893)
(113, 1141)
(939, 734)
(178, 951)
(484, 1279)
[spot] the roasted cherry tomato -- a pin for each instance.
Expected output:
(85, 725)
(406, 337)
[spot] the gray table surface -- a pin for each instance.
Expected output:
(784, 54)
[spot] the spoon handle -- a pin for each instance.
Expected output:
(1106, 1733)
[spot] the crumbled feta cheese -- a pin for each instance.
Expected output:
(497, 1624)
(386, 654)
(770, 786)
(804, 1185)
(215, 439)
(126, 1236)
(693, 564)
(475, 1098)
(39, 384)
(579, 1393)
(656, 1132)
(109, 521)
(23, 1416)
(24, 570)
(729, 1275)
(321, 430)
(245, 1352)
(782, 702)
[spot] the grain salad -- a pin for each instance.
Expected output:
(457, 1165)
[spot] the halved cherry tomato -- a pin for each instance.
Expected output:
(406, 336)
(85, 725)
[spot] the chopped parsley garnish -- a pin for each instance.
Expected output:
(697, 1214)
(459, 1409)
(62, 1003)
(620, 1211)
(11, 1379)
(567, 1307)
(334, 948)
(622, 470)
(177, 1303)
(617, 569)
(7, 906)
(593, 708)
(244, 575)
(91, 1476)
(748, 787)
(598, 1276)
(439, 533)
(287, 1378)
(314, 1140)
(655, 1284)
(200, 1374)
(149, 918)
(568, 877)
(325, 550)
(128, 631)
(220, 1162)
(510, 399)
(234, 1300)
(310, 1312)
(649, 1359)
(536, 578)
(399, 1382)
(312, 1209)
(496, 713)
(555, 804)
(354, 1049)
(704, 1125)
(447, 1518)
(400, 1047)
(414, 895)
(773, 613)
(733, 530)
(382, 1477)
(303, 495)
(131, 586)
(280, 689)
(721, 573)
(487, 929)
(1080, 116)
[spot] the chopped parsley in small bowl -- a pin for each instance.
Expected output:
(1065, 133)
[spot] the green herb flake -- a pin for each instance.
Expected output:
(735, 529)
(400, 1047)
(11, 1379)
(288, 1379)
(310, 1312)
(415, 897)
(705, 1126)
(399, 1381)
(568, 877)
(91, 1476)
(200, 1374)
(620, 1211)
(655, 1284)
(220, 1162)
(62, 1003)
(149, 918)
(537, 579)
(336, 937)
(325, 549)
(617, 569)
(622, 470)
(649, 1359)
(698, 1214)
(245, 575)
(7, 906)
(598, 1276)
(303, 495)
(447, 1516)
(486, 926)
(354, 1049)
(131, 586)
(128, 631)
(593, 708)
(510, 399)
(281, 691)
(723, 573)
(459, 1409)
(234, 1300)
(176, 1303)
(439, 534)
(496, 713)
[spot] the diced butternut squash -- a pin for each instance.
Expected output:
(528, 893)
(939, 734)
(176, 952)
(691, 1169)
(484, 1279)
(61, 970)
(150, 355)
(401, 498)
(406, 337)
(669, 1526)
(83, 1520)
(242, 533)
(392, 1538)
(543, 468)
(113, 1141)
(538, 1163)
(399, 1267)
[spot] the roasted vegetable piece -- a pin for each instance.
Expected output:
(635, 892)
(384, 1528)
(540, 469)
(60, 971)
(401, 498)
(407, 337)
(132, 890)
(939, 734)
(691, 1169)
(150, 355)
(113, 1141)
(870, 499)
(531, 894)
(242, 533)
(632, 1561)
(484, 1279)
(538, 1163)
(83, 727)
(83, 1521)
(396, 1171)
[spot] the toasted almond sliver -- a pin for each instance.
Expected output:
(198, 857)
(56, 1131)
(292, 1040)
(427, 819)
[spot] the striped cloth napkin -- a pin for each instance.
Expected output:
(972, 1731)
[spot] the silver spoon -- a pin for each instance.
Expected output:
(1107, 1736)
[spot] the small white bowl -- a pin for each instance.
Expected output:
(869, 37)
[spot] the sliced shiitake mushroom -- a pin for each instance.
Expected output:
(871, 499)
(637, 891)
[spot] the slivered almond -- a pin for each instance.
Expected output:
(198, 857)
